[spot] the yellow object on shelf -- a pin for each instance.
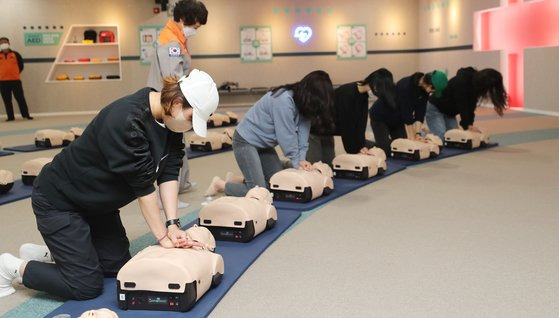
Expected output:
(96, 60)
(87, 42)
(95, 77)
(113, 59)
(79, 78)
(63, 77)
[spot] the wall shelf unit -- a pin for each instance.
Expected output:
(76, 59)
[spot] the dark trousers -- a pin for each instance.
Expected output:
(6, 88)
(321, 148)
(384, 134)
(85, 249)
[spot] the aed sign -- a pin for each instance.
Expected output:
(41, 38)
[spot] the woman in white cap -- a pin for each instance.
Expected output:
(130, 144)
(283, 117)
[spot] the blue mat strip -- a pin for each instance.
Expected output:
(445, 153)
(5, 153)
(29, 148)
(236, 256)
(196, 154)
(341, 187)
(17, 192)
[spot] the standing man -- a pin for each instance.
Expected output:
(172, 56)
(11, 65)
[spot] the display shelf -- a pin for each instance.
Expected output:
(73, 49)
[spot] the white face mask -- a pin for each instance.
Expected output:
(188, 31)
(178, 124)
(4, 46)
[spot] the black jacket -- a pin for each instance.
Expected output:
(411, 99)
(351, 116)
(459, 97)
(119, 156)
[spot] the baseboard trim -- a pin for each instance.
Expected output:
(541, 112)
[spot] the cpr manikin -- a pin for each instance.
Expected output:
(360, 166)
(99, 313)
(76, 131)
(218, 120)
(171, 279)
(239, 219)
(31, 169)
(213, 141)
(418, 149)
(6, 181)
(299, 185)
(465, 139)
(47, 138)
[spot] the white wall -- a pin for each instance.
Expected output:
(449, 23)
(219, 36)
(541, 67)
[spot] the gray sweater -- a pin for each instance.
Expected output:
(275, 120)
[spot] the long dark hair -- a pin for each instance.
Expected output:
(382, 84)
(314, 98)
(488, 83)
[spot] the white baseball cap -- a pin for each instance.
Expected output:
(201, 93)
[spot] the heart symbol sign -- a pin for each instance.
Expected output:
(303, 33)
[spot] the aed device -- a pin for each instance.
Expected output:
(239, 219)
(298, 185)
(170, 279)
(106, 36)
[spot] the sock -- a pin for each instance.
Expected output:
(182, 205)
(9, 270)
(212, 189)
(35, 252)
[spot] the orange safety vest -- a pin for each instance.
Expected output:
(9, 69)
(172, 33)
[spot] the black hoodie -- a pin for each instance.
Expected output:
(117, 159)
(459, 97)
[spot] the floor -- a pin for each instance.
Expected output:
(468, 236)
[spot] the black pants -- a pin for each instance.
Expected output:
(85, 249)
(6, 88)
(384, 134)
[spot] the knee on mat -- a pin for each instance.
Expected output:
(89, 290)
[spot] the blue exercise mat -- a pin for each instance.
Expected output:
(236, 256)
(445, 153)
(341, 187)
(18, 192)
(5, 153)
(29, 148)
(195, 154)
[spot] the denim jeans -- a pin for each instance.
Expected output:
(438, 122)
(257, 165)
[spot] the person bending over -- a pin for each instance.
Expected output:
(130, 144)
(281, 117)
(412, 93)
(461, 96)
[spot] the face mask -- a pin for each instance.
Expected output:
(188, 31)
(178, 124)
(370, 93)
(4, 46)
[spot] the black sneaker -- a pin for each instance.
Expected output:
(10, 119)
(29, 118)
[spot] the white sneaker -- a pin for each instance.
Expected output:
(9, 267)
(35, 252)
